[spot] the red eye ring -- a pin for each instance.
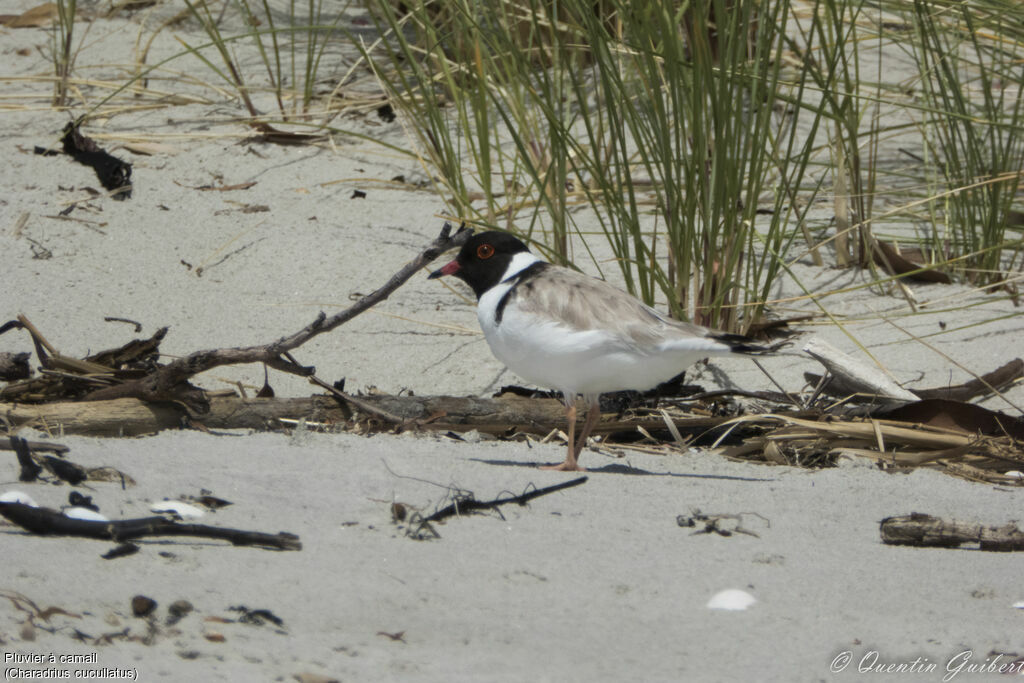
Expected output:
(484, 251)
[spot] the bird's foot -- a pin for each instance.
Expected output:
(564, 467)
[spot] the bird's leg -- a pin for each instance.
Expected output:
(571, 463)
(570, 458)
(593, 415)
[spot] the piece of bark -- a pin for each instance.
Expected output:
(14, 366)
(502, 415)
(922, 530)
(853, 377)
(45, 521)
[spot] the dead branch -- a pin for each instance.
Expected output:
(170, 382)
(929, 531)
(44, 521)
(465, 505)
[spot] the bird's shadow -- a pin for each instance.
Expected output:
(615, 468)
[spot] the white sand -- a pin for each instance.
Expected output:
(594, 583)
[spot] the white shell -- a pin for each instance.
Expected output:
(1014, 474)
(1019, 604)
(17, 497)
(178, 508)
(731, 599)
(84, 514)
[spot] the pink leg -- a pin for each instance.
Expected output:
(571, 463)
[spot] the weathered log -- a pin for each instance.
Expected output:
(131, 417)
(929, 531)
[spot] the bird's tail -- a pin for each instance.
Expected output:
(738, 343)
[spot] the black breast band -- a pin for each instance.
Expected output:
(527, 273)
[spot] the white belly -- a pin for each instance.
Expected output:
(587, 362)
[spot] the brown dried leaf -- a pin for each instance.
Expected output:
(41, 15)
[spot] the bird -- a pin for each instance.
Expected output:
(563, 330)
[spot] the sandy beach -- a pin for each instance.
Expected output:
(593, 583)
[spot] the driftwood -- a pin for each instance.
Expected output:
(170, 382)
(929, 531)
(45, 521)
(499, 416)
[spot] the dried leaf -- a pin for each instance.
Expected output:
(41, 15)
(956, 415)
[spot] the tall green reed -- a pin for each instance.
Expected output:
(62, 48)
(291, 44)
(969, 58)
(673, 134)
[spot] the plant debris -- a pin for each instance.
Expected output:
(114, 174)
(724, 525)
(464, 502)
(929, 531)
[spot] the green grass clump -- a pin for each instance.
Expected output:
(683, 141)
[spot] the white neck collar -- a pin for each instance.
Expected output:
(518, 264)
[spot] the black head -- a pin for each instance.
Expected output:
(483, 260)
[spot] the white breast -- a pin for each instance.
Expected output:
(550, 353)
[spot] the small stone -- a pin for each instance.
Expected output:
(143, 606)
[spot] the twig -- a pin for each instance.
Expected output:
(471, 505)
(364, 406)
(170, 381)
(45, 521)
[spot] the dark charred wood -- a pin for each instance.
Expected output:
(47, 522)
